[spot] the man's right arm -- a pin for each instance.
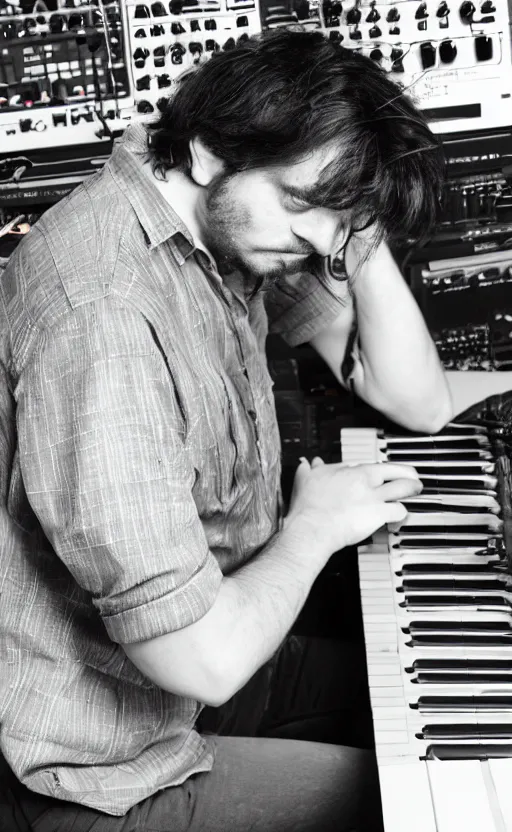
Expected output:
(255, 607)
(110, 480)
(332, 506)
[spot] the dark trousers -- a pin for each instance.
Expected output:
(293, 752)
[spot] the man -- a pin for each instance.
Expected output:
(147, 569)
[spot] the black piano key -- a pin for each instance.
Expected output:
(487, 626)
(474, 442)
(434, 485)
(416, 456)
(447, 751)
(459, 568)
(496, 731)
(425, 677)
(458, 634)
(455, 600)
(460, 671)
(460, 583)
(455, 664)
(415, 527)
(470, 640)
(425, 507)
(428, 542)
(476, 470)
(500, 702)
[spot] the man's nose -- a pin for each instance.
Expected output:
(321, 228)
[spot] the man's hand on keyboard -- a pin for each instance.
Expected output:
(347, 503)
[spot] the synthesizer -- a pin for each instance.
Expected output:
(461, 277)
(452, 57)
(437, 603)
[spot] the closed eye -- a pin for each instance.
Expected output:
(297, 203)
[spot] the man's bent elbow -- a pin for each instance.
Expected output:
(429, 418)
(205, 679)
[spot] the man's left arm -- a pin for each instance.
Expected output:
(396, 365)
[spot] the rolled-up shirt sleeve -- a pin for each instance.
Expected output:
(106, 470)
(298, 308)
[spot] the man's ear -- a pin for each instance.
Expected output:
(205, 164)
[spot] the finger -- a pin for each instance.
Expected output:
(317, 461)
(381, 472)
(395, 513)
(303, 468)
(399, 489)
(389, 514)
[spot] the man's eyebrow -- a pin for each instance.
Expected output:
(305, 192)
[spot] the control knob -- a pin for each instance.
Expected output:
(353, 16)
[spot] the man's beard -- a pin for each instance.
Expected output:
(224, 223)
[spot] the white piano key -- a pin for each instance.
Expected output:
(386, 723)
(460, 796)
(476, 500)
(378, 589)
(406, 798)
(385, 681)
(398, 727)
(382, 584)
(388, 711)
(385, 667)
(501, 773)
(380, 701)
(449, 519)
(391, 737)
(383, 695)
(399, 752)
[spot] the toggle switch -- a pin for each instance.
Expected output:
(144, 107)
(353, 16)
(483, 48)
(428, 55)
(467, 11)
(447, 51)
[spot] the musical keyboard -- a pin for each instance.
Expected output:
(436, 596)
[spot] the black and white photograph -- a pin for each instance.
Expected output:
(256, 416)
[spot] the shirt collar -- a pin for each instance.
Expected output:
(158, 220)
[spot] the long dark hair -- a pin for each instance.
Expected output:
(282, 94)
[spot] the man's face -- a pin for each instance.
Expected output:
(261, 222)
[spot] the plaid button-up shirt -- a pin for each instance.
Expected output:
(139, 462)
